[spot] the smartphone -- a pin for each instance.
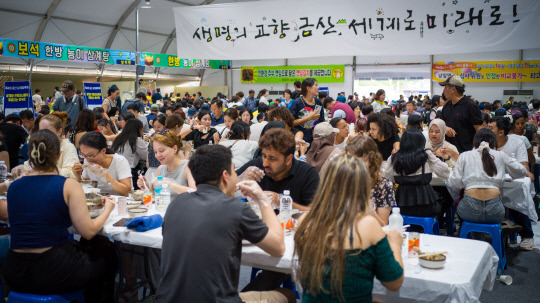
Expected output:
(318, 108)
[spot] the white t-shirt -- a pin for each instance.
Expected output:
(37, 99)
(119, 169)
(263, 100)
(256, 130)
(242, 151)
(524, 139)
(516, 149)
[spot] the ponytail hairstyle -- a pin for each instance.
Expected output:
(488, 136)
(43, 151)
(261, 93)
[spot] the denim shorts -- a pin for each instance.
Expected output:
(481, 211)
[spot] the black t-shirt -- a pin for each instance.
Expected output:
(302, 181)
(385, 147)
(462, 117)
(14, 136)
(202, 246)
(197, 137)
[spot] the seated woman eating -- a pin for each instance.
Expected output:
(167, 147)
(340, 247)
(481, 173)
(42, 260)
(111, 170)
(412, 167)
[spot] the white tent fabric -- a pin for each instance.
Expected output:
(96, 23)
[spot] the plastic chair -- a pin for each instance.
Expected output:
(71, 297)
(288, 283)
(430, 224)
(495, 231)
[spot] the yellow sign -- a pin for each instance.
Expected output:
(489, 71)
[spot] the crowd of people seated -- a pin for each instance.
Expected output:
(346, 163)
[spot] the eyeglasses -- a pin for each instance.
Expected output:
(88, 157)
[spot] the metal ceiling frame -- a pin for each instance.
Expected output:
(116, 28)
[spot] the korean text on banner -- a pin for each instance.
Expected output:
(63, 52)
(164, 60)
(489, 71)
(315, 28)
(289, 74)
(17, 97)
(92, 94)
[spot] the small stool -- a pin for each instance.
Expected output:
(71, 297)
(430, 224)
(495, 231)
(288, 283)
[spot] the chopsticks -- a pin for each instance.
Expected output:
(429, 254)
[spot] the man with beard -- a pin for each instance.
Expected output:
(277, 170)
(461, 114)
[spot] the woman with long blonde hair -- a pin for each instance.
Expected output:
(340, 247)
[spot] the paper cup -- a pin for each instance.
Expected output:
(506, 279)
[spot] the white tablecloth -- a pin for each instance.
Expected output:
(471, 265)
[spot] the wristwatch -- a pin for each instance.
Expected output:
(110, 182)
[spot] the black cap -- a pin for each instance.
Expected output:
(67, 85)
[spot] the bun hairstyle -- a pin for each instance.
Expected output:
(239, 131)
(168, 138)
(57, 119)
(43, 151)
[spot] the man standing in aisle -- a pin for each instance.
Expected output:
(199, 268)
(70, 103)
(250, 102)
(157, 96)
(36, 98)
(461, 114)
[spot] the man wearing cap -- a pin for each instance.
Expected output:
(460, 113)
(69, 102)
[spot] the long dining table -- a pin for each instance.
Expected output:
(471, 265)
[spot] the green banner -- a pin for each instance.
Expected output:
(164, 60)
(63, 52)
(289, 74)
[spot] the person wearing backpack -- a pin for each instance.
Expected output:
(69, 102)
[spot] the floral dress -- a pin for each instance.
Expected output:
(382, 194)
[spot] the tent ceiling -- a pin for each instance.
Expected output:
(96, 23)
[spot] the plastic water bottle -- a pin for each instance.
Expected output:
(165, 197)
(3, 171)
(285, 209)
(285, 205)
(395, 221)
(157, 190)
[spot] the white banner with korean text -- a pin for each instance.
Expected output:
(315, 28)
